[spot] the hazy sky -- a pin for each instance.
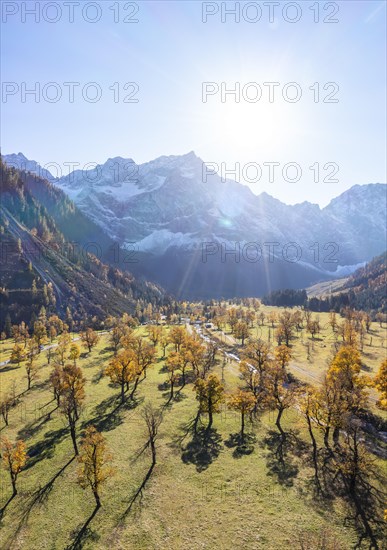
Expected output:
(169, 53)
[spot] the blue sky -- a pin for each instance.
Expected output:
(169, 53)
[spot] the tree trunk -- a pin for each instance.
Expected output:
(171, 393)
(314, 454)
(335, 436)
(14, 490)
(326, 437)
(243, 428)
(210, 419)
(195, 425)
(97, 498)
(134, 387)
(73, 437)
(122, 393)
(278, 423)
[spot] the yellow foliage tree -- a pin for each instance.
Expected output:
(94, 458)
(210, 394)
(121, 370)
(380, 383)
(243, 402)
(14, 459)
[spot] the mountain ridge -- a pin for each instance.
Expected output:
(169, 212)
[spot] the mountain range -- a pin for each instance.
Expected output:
(181, 227)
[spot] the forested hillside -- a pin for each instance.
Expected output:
(45, 243)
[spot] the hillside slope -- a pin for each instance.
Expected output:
(41, 267)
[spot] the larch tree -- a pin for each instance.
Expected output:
(244, 403)
(14, 459)
(89, 338)
(283, 355)
(40, 334)
(17, 355)
(278, 394)
(241, 331)
(72, 395)
(173, 363)
(257, 355)
(6, 404)
(380, 383)
(121, 371)
(74, 352)
(210, 394)
(177, 336)
(94, 459)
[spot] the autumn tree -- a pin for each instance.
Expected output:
(380, 383)
(6, 404)
(278, 394)
(283, 355)
(164, 342)
(349, 384)
(243, 402)
(14, 459)
(89, 338)
(17, 354)
(40, 334)
(177, 336)
(272, 318)
(155, 333)
(72, 395)
(355, 466)
(121, 371)
(118, 333)
(313, 327)
(333, 321)
(144, 355)
(152, 419)
(210, 394)
(62, 348)
(56, 382)
(32, 372)
(251, 377)
(74, 352)
(94, 458)
(256, 354)
(241, 331)
(286, 326)
(173, 363)
(308, 406)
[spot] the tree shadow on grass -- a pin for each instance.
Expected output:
(3, 509)
(33, 428)
(203, 449)
(84, 533)
(8, 368)
(38, 497)
(241, 447)
(98, 377)
(106, 420)
(279, 461)
(46, 447)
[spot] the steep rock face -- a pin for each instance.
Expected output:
(169, 212)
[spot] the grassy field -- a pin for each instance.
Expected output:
(196, 498)
(321, 347)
